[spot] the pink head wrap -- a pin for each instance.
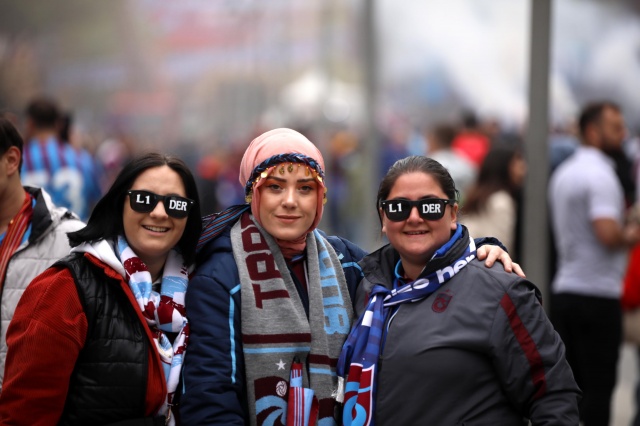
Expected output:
(265, 146)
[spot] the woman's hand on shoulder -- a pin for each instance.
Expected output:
(490, 253)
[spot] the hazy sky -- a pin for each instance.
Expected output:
(482, 46)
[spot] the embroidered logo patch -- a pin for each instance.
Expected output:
(271, 404)
(442, 301)
(281, 388)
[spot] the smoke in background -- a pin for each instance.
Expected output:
(478, 52)
(210, 70)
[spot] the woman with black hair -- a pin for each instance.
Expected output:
(492, 204)
(99, 337)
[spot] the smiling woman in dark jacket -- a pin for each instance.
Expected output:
(442, 340)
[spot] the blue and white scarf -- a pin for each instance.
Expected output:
(357, 365)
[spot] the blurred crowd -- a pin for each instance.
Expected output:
(487, 163)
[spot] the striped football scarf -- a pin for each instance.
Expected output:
(214, 224)
(302, 407)
(164, 311)
(276, 329)
(357, 365)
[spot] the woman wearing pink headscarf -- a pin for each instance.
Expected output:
(270, 302)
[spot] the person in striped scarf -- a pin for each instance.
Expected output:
(270, 303)
(99, 337)
(440, 339)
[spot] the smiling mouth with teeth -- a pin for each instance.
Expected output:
(156, 228)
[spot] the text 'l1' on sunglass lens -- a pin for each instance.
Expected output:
(145, 201)
(428, 208)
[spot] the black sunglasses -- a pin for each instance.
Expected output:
(145, 201)
(428, 208)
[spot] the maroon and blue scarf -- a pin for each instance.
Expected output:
(357, 365)
(276, 331)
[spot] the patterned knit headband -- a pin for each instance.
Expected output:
(260, 171)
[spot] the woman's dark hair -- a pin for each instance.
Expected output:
(106, 218)
(494, 176)
(415, 163)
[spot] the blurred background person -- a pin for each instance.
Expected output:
(228, 193)
(395, 142)
(630, 302)
(64, 128)
(99, 337)
(623, 166)
(493, 203)
(345, 197)
(33, 231)
(471, 141)
(110, 157)
(631, 284)
(52, 163)
(463, 171)
(563, 142)
(207, 175)
(587, 206)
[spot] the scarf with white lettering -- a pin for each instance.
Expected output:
(357, 365)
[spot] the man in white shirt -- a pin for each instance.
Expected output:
(588, 218)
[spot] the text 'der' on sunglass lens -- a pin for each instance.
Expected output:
(145, 201)
(428, 208)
